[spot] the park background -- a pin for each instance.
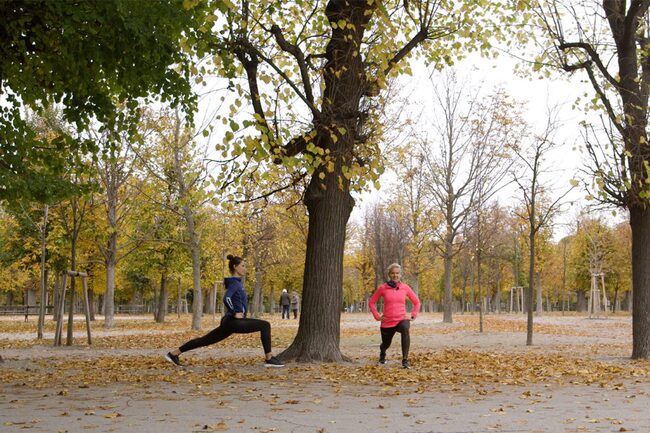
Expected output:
(244, 144)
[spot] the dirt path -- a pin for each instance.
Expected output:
(577, 378)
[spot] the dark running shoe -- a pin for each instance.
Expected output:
(174, 359)
(273, 362)
(405, 364)
(382, 358)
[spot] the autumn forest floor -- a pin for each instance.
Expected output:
(577, 377)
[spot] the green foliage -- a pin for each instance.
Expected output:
(86, 57)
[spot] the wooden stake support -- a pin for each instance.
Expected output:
(516, 299)
(594, 305)
(61, 307)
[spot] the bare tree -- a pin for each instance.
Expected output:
(389, 237)
(484, 239)
(465, 163)
(529, 180)
(610, 41)
(412, 199)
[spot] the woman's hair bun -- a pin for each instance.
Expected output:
(230, 257)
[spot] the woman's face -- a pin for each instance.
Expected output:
(395, 274)
(240, 269)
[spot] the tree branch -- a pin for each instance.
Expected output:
(593, 55)
(295, 51)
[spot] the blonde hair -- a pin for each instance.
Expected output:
(393, 265)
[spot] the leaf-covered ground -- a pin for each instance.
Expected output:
(450, 362)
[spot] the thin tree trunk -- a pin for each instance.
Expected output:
(529, 289)
(56, 293)
(212, 300)
(41, 311)
(178, 299)
(91, 304)
(257, 287)
(73, 266)
(447, 299)
(472, 295)
(538, 284)
(109, 296)
(195, 248)
(478, 286)
(497, 296)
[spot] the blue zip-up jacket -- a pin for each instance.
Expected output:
(235, 298)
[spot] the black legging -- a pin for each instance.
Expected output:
(388, 333)
(230, 325)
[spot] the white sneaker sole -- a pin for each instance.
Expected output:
(171, 361)
(273, 366)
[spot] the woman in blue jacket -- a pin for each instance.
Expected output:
(234, 321)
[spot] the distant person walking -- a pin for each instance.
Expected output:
(285, 303)
(295, 303)
(394, 319)
(234, 320)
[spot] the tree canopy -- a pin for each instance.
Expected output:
(87, 57)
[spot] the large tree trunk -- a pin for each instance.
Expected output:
(328, 201)
(640, 224)
(319, 328)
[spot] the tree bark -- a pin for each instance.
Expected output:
(110, 255)
(319, 327)
(581, 302)
(531, 281)
(161, 310)
(328, 197)
(109, 296)
(640, 224)
(447, 300)
(212, 300)
(538, 285)
(256, 307)
(41, 311)
(197, 300)
(478, 288)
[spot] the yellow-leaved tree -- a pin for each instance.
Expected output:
(314, 75)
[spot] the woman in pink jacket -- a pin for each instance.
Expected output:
(394, 318)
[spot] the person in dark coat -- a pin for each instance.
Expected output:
(234, 320)
(295, 304)
(285, 303)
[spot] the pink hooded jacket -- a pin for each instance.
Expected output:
(394, 303)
